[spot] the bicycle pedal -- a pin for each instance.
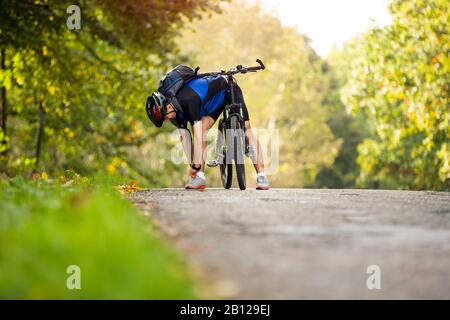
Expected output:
(212, 163)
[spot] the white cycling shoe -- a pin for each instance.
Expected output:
(262, 182)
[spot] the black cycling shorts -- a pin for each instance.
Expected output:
(238, 98)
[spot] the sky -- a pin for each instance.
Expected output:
(329, 22)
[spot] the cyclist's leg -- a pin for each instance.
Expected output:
(255, 150)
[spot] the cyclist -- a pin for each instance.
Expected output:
(202, 100)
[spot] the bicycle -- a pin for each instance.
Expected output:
(232, 128)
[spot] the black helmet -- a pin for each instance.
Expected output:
(156, 108)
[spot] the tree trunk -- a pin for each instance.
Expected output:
(3, 101)
(40, 133)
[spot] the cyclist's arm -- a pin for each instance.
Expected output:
(186, 141)
(191, 103)
(198, 146)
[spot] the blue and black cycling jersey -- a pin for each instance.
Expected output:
(205, 97)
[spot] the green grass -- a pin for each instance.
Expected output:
(45, 227)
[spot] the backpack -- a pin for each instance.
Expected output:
(174, 80)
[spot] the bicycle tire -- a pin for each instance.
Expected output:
(226, 168)
(238, 154)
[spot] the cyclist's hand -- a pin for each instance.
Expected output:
(192, 173)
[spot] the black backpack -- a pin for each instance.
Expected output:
(174, 80)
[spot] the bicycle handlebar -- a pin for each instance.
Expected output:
(238, 69)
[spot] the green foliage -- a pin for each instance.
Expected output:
(5, 141)
(153, 23)
(45, 226)
(401, 84)
(75, 99)
(349, 129)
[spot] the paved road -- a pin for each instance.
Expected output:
(305, 243)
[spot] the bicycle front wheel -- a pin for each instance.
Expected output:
(226, 166)
(238, 151)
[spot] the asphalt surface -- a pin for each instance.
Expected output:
(308, 244)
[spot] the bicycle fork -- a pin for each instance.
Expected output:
(220, 148)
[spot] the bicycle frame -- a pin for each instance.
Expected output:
(233, 109)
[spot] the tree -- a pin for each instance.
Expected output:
(76, 98)
(349, 129)
(401, 84)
